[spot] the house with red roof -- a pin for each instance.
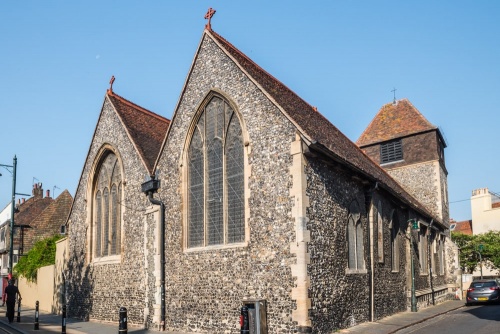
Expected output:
(254, 202)
(35, 218)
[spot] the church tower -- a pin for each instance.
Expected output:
(403, 142)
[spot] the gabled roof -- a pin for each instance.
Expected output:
(321, 134)
(49, 221)
(394, 120)
(464, 227)
(31, 209)
(145, 128)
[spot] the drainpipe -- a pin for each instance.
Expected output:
(371, 287)
(429, 250)
(149, 188)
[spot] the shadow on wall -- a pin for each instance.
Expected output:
(76, 288)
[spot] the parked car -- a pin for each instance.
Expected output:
(483, 291)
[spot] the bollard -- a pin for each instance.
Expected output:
(123, 321)
(245, 325)
(19, 310)
(36, 316)
(63, 331)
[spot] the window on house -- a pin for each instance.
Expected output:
(107, 207)
(215, 178)
(395, 242)
(391, 151)
(355, 238)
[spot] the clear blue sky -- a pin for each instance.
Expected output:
(345, 57)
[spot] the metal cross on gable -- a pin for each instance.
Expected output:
(394, 91)
(208, 16)
(111, 84)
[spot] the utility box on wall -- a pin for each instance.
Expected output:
(257, 315)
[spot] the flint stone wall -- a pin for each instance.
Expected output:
(422, 182)
(97, 291)
(206, 287)
(341, 300)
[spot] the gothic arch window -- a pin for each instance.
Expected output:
(107, 200)
(395, 242)
(355, 238)
(380, 232)
(215, 163)
(441, 254)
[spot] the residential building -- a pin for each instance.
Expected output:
(35, 218)
(485, 210)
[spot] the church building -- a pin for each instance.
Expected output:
(253, 198)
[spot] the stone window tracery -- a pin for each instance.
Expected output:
(215, 214)
(107, 207)
(355, 238)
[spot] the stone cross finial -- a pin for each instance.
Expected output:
(208, 16)
(111, 84)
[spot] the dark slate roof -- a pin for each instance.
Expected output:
(394, 120)
(315, 126)
(145, 128)
(464, 227)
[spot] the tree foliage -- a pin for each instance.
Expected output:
(42, 254)
(488, 244)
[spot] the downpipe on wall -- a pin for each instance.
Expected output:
(162, 256)
(149, 188)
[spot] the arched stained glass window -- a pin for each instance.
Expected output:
(107, 207)
(215, 178)
(355, 238)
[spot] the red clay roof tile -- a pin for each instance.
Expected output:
(394, 120)
(146, 128)
(464, 227)
(315, 126)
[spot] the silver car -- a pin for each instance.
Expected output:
(483, 291)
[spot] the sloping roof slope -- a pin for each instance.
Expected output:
(49, 221)
(145, 128)
(464, 227)
(31, 209)
(314, 125)
(394, 120)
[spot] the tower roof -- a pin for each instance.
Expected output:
(394, 120)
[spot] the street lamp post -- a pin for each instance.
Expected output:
(480, 249)
(12, 210)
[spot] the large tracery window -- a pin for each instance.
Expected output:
(215, 178)
(107, 207)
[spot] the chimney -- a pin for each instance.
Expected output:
(37, 190)
(23, 200)
(48, 193)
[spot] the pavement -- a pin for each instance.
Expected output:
(396, 322)
(52, 323)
